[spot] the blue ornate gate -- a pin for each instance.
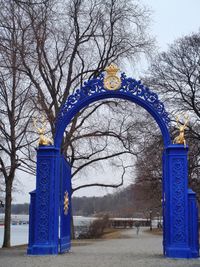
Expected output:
(180, 237)
(65, 206)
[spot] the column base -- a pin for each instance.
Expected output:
(178, 252)
(195, 254)
(42, 250)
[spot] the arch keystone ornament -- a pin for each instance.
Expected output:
(51, 200)
(112, 81)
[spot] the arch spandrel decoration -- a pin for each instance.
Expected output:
(130, 89)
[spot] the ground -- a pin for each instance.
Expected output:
(144, 250)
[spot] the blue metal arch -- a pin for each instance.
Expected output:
(93, 90)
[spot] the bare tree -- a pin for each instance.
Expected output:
(15, 111)
(175, 74)
(54, 46)
(59, 50)
(147, 190)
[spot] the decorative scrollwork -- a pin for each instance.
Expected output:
(178, 200)
(129, 86)
(43, 193)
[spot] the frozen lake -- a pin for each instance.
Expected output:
(19, 233)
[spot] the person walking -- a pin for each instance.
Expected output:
(137, 226)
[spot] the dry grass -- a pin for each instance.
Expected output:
(112, 233)
(82, 242)
(109, 233)
(155, 231)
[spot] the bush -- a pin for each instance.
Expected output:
(98, 226)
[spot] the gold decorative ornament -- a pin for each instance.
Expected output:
(112, 81)
(66, 203)
(180, 139)
(43, 140)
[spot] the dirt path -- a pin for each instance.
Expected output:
(144, 250)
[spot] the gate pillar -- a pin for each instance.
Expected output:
(45, 207)
(176, 239)
(65, 206)
(193, 224)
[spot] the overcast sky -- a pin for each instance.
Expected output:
(171, 19)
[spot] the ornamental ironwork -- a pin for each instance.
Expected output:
(128, 86)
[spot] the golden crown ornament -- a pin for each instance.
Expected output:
(112, 81)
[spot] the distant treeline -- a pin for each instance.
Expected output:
(18, 209)
(132, 201)
(86, 206)
(123, 203)
(118, 204)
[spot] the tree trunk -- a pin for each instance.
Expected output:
(7, 219)
(72, 225)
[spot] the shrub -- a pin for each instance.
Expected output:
(98, 226)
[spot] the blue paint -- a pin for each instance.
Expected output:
(93, 90)
(180, 215)
(176, 202)
(164, 185)
(44, 238)
(193, 224)
(65, 219)
(32, 211)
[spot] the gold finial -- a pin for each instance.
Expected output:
(112, 81)
(180, 139)
(43, 140)
(66, 203)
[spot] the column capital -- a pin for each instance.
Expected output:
(176, 149)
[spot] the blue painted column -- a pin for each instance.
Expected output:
(31, 220)
(65, 218)
(44, 231)
(164, 184)
(193, 224)
(176, 202)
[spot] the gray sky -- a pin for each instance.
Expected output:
(171, 19)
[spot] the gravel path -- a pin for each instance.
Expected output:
(136, 251)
